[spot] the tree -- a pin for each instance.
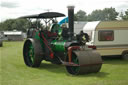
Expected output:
(103, 15)
(125, 16)
(96, 15)
(6, 25)
(80, 16)
(14, 24)
(121, 15)
(110, 13)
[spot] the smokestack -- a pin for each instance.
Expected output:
(71, 20)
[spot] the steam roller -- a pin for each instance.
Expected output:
(59, 44)
(86, 61)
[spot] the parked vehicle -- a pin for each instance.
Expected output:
(59, 45)
(1, 42)
(13, 35)
(108, 37)
(1, 39)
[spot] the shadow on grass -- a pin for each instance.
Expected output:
(99, 75)
(111, 58)
(114, 60)
(53, 67)
(60, 69)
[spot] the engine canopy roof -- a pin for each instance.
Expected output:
(45, 15)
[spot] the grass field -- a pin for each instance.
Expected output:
(13, 71)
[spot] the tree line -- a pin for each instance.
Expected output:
(14, 24)
(107, 14)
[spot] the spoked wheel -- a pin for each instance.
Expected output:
(73, 69)
(31, 53)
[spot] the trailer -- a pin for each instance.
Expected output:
(14, 35)
(108, 37)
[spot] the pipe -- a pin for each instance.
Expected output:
(70, 52)
(71, 20)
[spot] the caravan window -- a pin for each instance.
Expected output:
(107, 35)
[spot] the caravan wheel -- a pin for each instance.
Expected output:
(125, 55)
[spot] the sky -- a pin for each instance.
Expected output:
(16, 8)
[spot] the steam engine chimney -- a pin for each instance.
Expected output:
(71, 20)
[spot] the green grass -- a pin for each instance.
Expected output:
(13, 71)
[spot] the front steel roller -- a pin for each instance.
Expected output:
(87, 61)
(32, 52)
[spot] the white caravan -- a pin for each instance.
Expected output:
(108, 37)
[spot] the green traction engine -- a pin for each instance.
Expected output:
(59, 44)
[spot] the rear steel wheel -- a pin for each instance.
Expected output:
(31, 53)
